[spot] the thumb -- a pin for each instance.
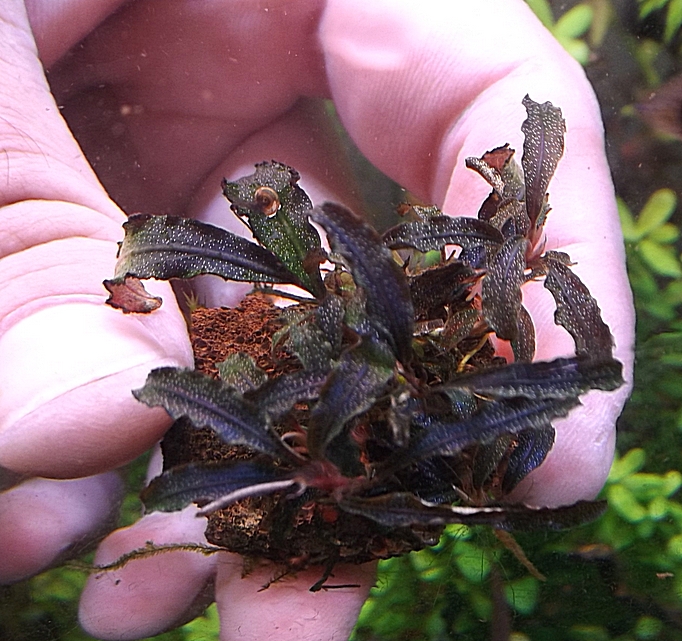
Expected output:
(69, 362)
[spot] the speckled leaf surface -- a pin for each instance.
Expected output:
(352, 388)
(401, 509)
(388, 303)
(286, 231)
(278, 396)
(241, 372)
(201, 483)
(543, 147)
(446, 437)
(210, 403)
(560, 378)
(439, 231)
(170, 247)
(577, 310)
(532, 447)
(501, 291)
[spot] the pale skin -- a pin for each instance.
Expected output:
(167, 97)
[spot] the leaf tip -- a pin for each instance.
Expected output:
(129, 295)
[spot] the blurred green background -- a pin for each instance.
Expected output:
(618, 579)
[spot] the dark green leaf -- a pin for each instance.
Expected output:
(388, 304)
(560, 378)
(210, 403)
(445, 437)
(241, 372)
(279, 395)
(201, 483)
(532, 447)
(352, 388)
(330, 315)
(310, 345)
(543, 146)
(523, 345)
(437, 232)
(501, 291)
(459, 324)
(403, 510)
(486, 458)
(577, 311)
(442, 285)
(281, 225)
(170, 247)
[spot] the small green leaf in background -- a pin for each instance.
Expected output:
(575, 22)
(623, 501)
(648, 627)
(656, 211)
(627, 221)
(569, 28)
(522, 594)
(651, 249)
(543, 11)
(472, 561)
(660, 258)
(673, 20)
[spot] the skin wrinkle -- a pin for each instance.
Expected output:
(52, 221)
(27, 107)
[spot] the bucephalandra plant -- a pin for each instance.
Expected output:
(395, 417)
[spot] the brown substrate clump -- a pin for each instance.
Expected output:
(298, 531)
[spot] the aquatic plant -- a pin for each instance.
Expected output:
(396, 411)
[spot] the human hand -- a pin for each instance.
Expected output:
(165, 99)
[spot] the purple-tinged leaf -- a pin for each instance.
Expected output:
(251, 490)
(166, 247)
(446, 437)
(577, 311)
(532, 447)
(403, 510)
(437, 232)
(352, 388)
(388, 303)
(210, 403)
(201, 483)
(276, 210)
(543, 146)
(560, 378)
(279, 395)
(501, 290)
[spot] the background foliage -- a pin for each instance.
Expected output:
(619, 579)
